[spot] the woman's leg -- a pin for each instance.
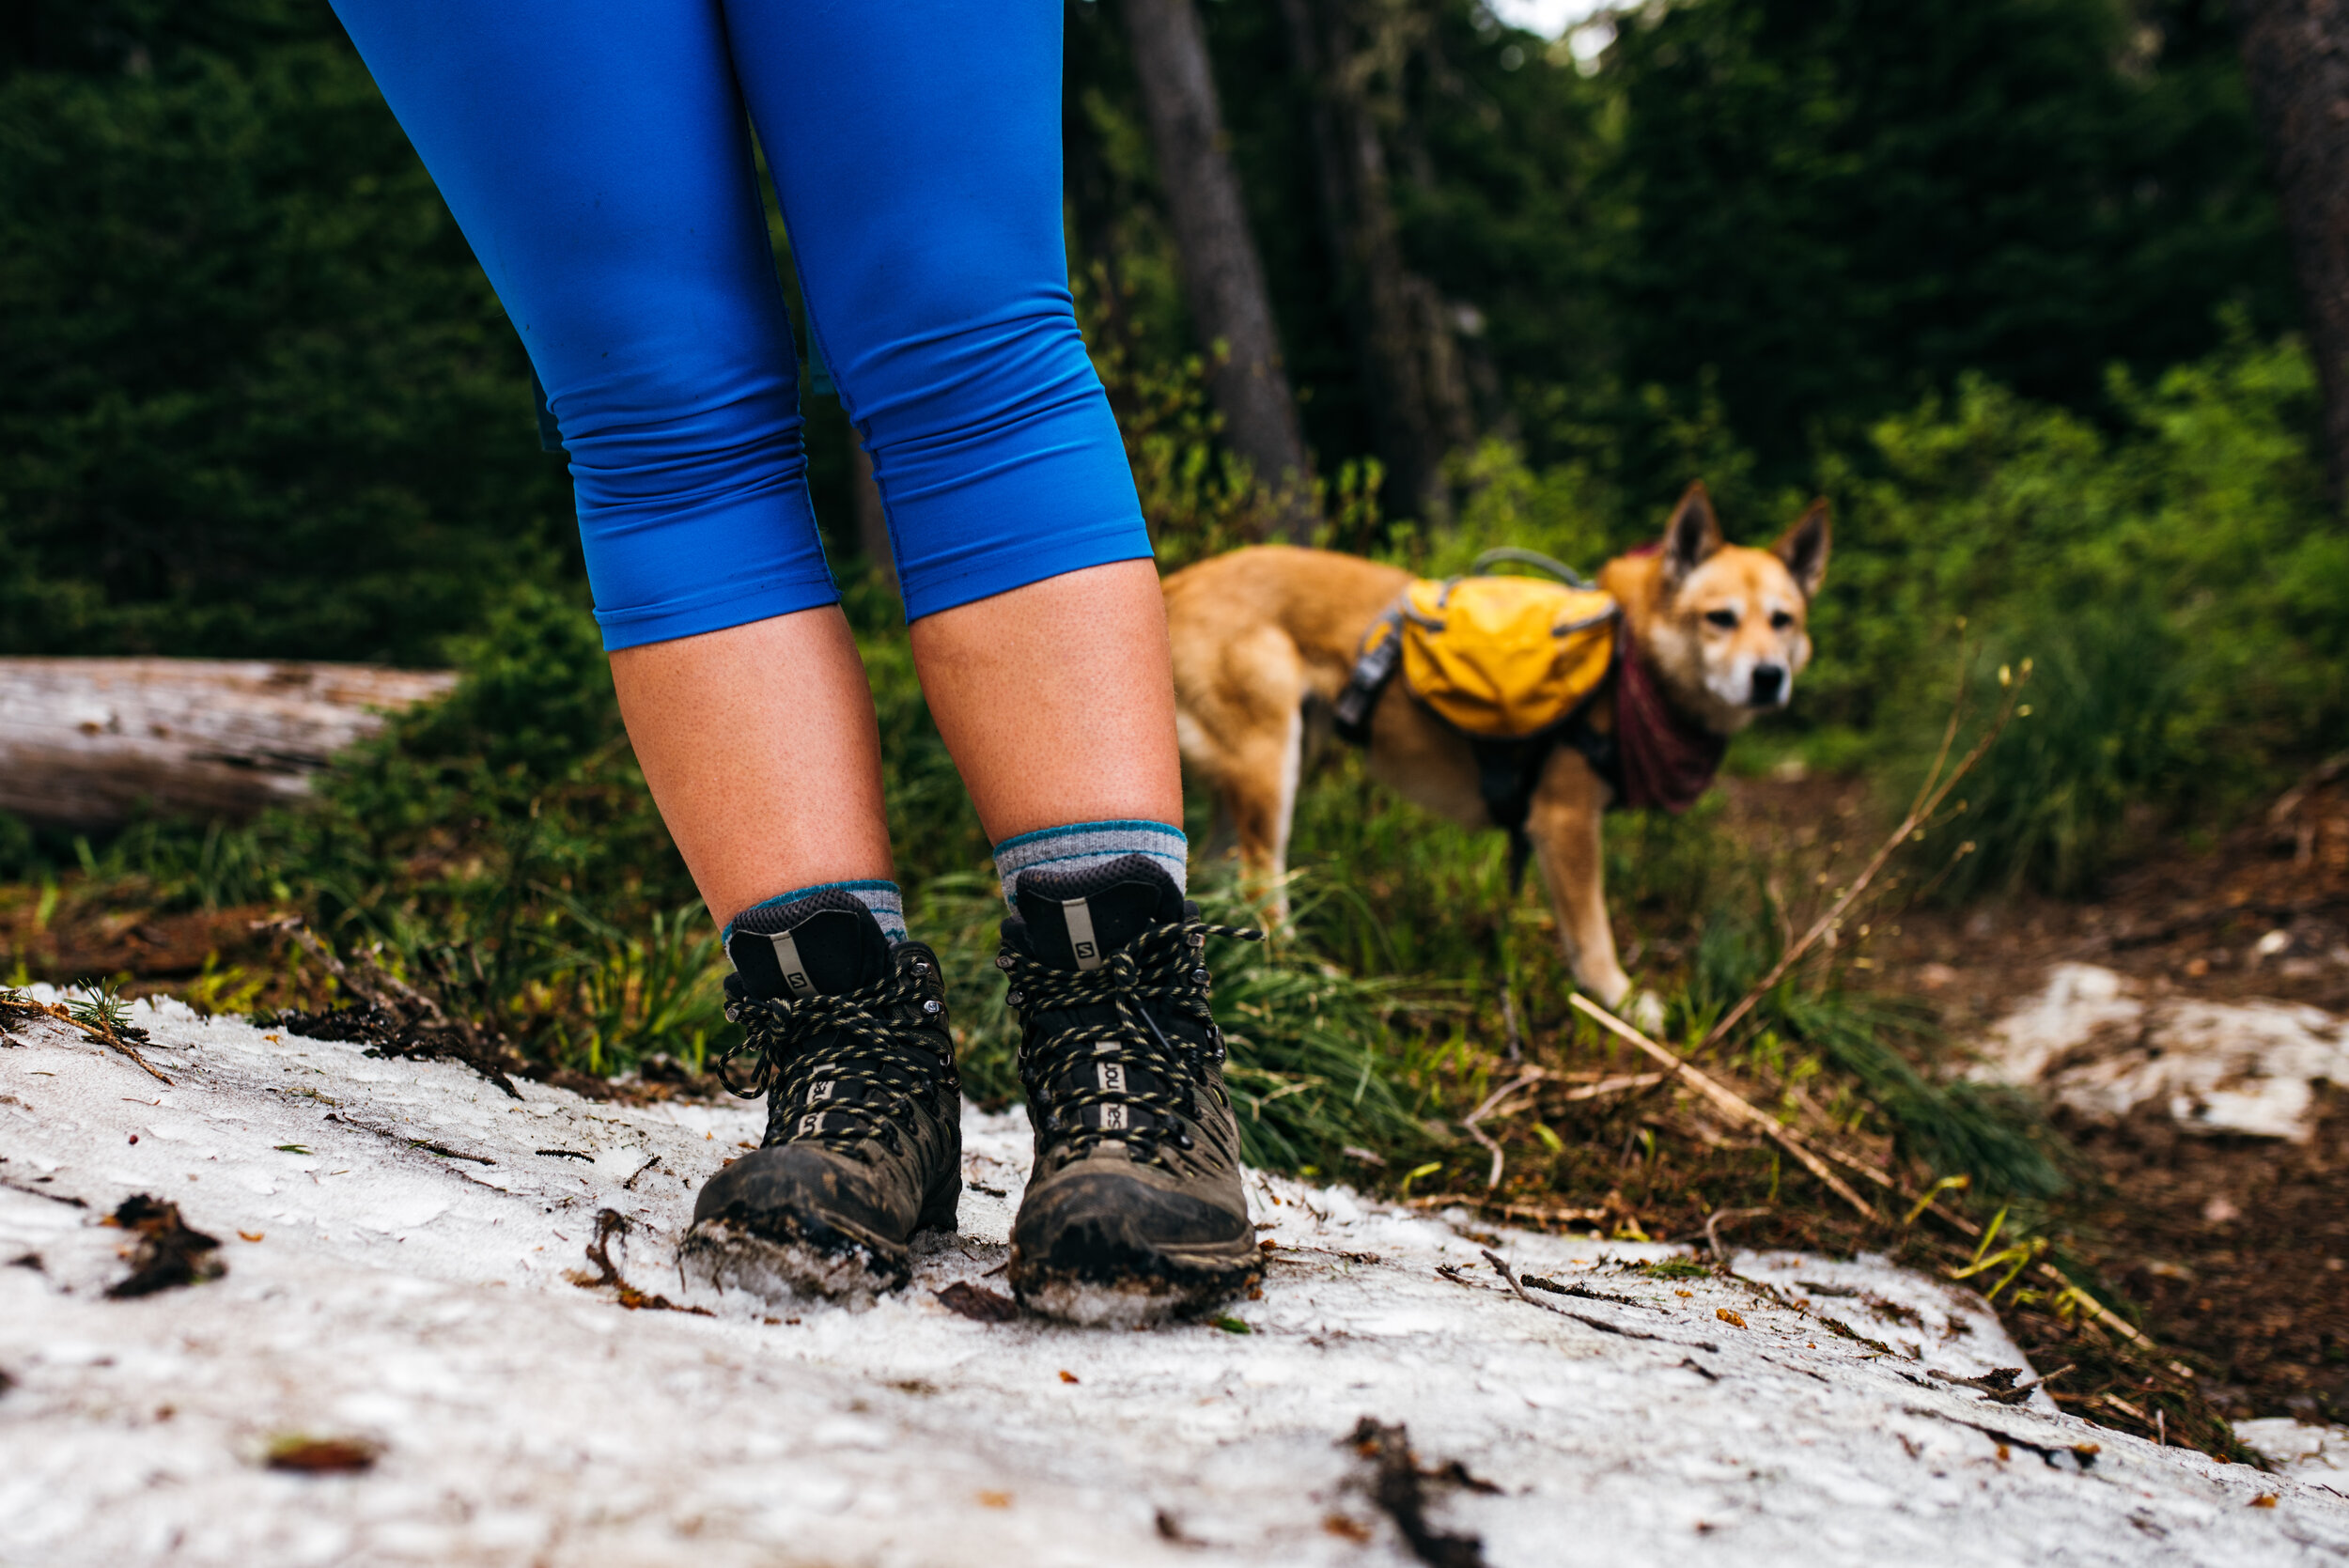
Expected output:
(761, 750)
(1057, 700)
(916, 150)
(594, 153)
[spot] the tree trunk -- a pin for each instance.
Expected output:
(89, 743)
(2295, 58)
(1223, 278)
(1418, 401)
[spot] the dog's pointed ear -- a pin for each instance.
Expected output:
(1803, 548)
(1693, 535)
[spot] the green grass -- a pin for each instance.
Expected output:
(500, 849)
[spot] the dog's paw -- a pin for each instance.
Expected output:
(1643, 1010)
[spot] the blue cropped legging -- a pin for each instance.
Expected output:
(597, 154)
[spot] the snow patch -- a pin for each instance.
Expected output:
(405, 1246)
(2316, 1454)
(2097, 1044)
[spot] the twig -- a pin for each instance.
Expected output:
(1396, 1486)
(1733, 1102)
(1509, 1022)
(2000, 1387)
(19, 1002)
(445, 1151)
(1585, 1319)
(1510, 1211)
(2082, 1454)
(1622, 1083)
(610, 1223)
(1712, 1228)
(1858, 1166)
(1930, 795)
(378, 985)
(1468, 1124)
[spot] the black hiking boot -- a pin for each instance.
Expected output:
(863, 1143)
(1134, 1210)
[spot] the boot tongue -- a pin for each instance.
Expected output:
(1075, 919)
(825, 943)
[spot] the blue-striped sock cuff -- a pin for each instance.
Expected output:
(1084, 844)
(887, 903)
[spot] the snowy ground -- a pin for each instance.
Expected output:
(401, 1240)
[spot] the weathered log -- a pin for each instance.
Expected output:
(91, 742)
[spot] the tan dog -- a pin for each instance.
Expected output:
(1265, 640)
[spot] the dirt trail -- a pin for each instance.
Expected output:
(2236, 1247)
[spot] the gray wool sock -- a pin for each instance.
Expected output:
(1084, 844)
(883, 898)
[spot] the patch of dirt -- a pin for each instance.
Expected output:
(2236, 1249)
(2238, 1252)
(165, 1253)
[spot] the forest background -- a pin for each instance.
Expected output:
(2004, 278)
(2008, 280)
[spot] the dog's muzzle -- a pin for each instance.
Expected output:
(1769, 685)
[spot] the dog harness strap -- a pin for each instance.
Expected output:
(1373, 666)
(1507, 774)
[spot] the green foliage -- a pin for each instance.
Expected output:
(2173, 582)
(255, 396)
(1198, 499)
(1840, 205)
(19, 854)
(1954, 1124)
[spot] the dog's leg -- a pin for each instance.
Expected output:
(1255, 713)
(1284, 818)
(1260, 793)
(1565, 825)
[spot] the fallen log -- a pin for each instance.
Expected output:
(92, 742)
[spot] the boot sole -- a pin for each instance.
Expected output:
(781, 1271)
(778, 1269)
(1134, 1297)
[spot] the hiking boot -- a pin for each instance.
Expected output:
(1134, 1210)
(863, 1144)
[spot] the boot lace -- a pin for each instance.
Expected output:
(1162, 973)
(839, 1066)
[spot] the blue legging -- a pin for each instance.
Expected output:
(597, 155)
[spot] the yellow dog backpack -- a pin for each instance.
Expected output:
(1507, 661)
(1496, 657)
